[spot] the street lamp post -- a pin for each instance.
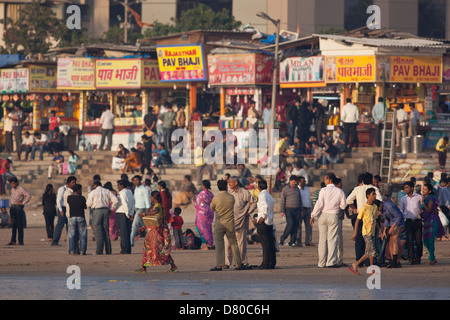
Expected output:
(274, 90)
(125, 5)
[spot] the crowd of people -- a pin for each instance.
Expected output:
(384, 233)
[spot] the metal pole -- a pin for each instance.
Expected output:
(272, 110)
(125, 26)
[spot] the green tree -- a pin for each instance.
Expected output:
(36, 30)
(201, 17)
(115, 35)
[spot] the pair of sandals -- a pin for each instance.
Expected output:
(241, 267)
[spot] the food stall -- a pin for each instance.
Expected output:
(356, 76)
(128, 86)
(241, 78)
(34, 86)
(183, 68)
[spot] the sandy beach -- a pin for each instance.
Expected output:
(37, 270)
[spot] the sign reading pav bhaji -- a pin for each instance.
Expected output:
(416, 69)
(181, 63)
(118, 73)
(76, 73)
(14, 80)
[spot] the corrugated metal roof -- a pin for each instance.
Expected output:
(384, 42)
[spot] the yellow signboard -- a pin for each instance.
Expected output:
(150, 75)
(127, 74)
(43, 79)
(118, 73)
(415, 69)
(181, 63)
(350, 69)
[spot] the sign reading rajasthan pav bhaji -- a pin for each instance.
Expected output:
(181, 63)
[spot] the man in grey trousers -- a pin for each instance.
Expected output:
(223, 207)
(99, 199)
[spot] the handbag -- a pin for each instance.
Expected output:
(312, 127)
(443, 218)
(151, 221)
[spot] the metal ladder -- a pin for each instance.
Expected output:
(388, 147)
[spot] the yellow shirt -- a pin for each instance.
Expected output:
(280, 147)
(441, 145)
(198, 157)
(368, 215)
(255, 193)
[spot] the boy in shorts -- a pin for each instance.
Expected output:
(368, 215)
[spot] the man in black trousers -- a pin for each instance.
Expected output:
(264, 225)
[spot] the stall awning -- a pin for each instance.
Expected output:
(303, 85)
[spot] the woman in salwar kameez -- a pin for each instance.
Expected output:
(204, 216)
(432, 226)
(157, 243)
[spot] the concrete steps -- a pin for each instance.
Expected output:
(33, 174)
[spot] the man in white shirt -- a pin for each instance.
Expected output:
(410, 207)
(107, 127)
(125, 212)
(358, 194)
(62, 209)
(264, 225)
(331, 201)
(141, 203)
(414, 119)
(40, 142)
(378, 118)
(99, 199)
(26, 145)
(300, 172)
(8, 125)
(350, 118)
(402, 122)
(306, 213)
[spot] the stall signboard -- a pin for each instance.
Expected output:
(446, 68)
(76, 73)
(127, 74)
(43, 79)
(302, 70)
(416, 69)
(239, 69)
(350, 69)
(118, 73)
(14, 80)
(150, 75)
(178, 63)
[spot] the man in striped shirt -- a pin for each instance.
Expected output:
(291, 206)
(99, 200)
(19, 197)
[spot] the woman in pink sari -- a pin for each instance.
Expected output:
(205, 216)
(113, 227)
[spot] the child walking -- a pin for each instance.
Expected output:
(368, 215)
(177, 223)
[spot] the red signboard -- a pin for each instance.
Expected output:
(240, 69)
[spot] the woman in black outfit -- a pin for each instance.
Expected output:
(49, 204)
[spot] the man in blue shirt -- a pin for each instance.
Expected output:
(141, 202)
(267, 115)
(57, 163)
(394, 224)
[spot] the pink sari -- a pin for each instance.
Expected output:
(113, 227)
(205, 216)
